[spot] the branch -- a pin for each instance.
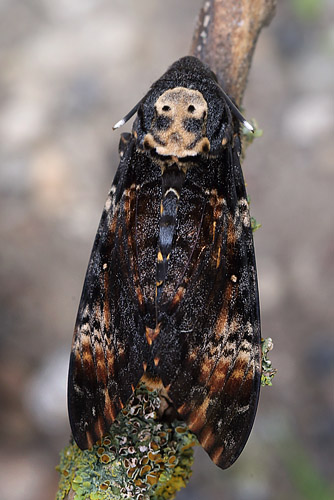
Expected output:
(225, 39)
(141, 458)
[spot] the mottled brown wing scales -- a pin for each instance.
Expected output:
(104, 367)
(146, 237)
(221, 411)
(91, 369)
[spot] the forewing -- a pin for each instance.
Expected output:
(108, 351)
(213, 314)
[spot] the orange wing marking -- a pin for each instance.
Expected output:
(151, 334)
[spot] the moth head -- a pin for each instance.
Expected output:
(178, 127)
(186, 113)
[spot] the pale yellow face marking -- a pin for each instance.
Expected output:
(178, 105)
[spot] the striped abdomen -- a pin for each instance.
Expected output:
(172, 181)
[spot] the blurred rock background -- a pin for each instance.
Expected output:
(68, 71)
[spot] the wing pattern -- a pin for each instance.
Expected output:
(214, 314)
(108, 345)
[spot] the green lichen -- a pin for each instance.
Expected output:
(141, 458)
(254, 224)
(268, 372)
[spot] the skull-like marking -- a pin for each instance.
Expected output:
(179, 126)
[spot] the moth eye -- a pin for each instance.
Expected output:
(165, 108)
(191, 108)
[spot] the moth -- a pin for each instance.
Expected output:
(170, 294)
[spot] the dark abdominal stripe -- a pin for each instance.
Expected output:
(172, 181)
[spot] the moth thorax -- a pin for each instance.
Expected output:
(179, 124)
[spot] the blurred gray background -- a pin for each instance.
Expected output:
(68, 71)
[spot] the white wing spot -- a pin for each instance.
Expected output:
(108, 204)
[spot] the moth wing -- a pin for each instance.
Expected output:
(217, 326)
(106, 360)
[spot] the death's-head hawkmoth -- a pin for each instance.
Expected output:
(170, 294)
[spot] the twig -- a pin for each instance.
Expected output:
(225, 39)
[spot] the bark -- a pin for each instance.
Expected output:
(225, 39)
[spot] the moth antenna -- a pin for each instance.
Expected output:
(236, 111)
(127, 117)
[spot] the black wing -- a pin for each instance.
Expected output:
(209, 342)
(108, 345)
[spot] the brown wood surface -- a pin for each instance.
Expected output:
(225, 39)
